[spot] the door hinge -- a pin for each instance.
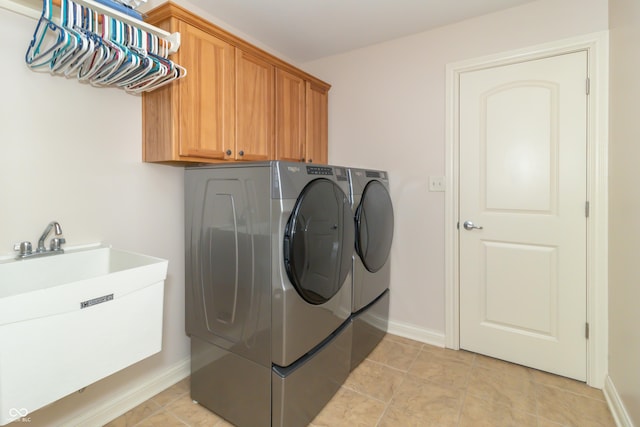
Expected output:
(586, 330)
(458, 225)
(588, 86)
(586, 209)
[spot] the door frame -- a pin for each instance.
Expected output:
(596, 46)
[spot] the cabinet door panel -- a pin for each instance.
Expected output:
(317, 115)
(254, 108)
(207, 98)
(290, 116)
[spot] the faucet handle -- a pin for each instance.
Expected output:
(56, 243)
(23, 248)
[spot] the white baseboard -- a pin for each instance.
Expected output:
(110, 410)
(413, 332)
(620, 414)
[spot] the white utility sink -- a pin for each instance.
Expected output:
(69, 320)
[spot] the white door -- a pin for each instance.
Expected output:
(523, 181)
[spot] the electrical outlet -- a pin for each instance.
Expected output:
(436, 183)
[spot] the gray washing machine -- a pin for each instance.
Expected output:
(373, 213)
(268, 298)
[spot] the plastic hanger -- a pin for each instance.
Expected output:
(100, 49)
(100, 54)
(60, 62)
(87, 43)
(48, 41)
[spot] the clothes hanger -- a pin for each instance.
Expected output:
(49, 40)
(100, 52)
(87, 44)
(145, 65)
(118, 53)
(129, 63)
(101, 49)
(60, 62)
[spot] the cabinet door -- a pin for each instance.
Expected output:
(290, 116)
(317, 114)
(207, 98)
(254, 108)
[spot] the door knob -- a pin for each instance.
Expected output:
(468, 225)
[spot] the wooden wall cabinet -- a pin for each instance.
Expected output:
(237, 102)
(254, 108)
(317, 123)
(290, 117)
(206, 100)
(301, 119)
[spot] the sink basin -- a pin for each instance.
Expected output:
(69, 320)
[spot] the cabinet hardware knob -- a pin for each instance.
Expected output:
(228, 152)
(241, 152)
(310, 160)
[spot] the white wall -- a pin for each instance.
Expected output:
(624, 204)
(387, 111)
(72, 153)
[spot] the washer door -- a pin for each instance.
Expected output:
(374, 226)
(318, 241)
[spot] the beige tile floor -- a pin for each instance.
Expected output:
(405, 383)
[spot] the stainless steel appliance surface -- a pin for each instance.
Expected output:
(268, 298)
(374, 220)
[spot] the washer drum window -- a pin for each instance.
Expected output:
(318, 241)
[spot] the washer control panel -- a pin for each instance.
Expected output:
(319, 170)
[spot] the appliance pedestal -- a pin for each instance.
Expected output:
(232, 386)
(370, 325)
(301, 390)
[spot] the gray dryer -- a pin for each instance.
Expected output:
(374, 221)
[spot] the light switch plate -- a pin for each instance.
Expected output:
(436, 183)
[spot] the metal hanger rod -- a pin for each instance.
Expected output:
(173, 39)
(26, 8)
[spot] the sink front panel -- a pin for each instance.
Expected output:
(45, 359)
(67, 321)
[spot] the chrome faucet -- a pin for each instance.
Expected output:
(45, 233)
(55, 245)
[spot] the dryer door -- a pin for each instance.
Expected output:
(318, 241)
(374, 226)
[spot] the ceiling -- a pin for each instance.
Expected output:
(305, 30)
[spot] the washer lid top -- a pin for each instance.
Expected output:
(318, 241)
(374, 226)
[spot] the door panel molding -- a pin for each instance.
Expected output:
(596, 46)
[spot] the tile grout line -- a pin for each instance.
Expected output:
(473, 365)
(464, 399)
(157, 411)
(162, 407)
(178, 418)
(405, 374)
(413, 362)
(385, 365)
(535, 390)
(368, 396)
(393, 395)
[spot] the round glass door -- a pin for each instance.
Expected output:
(318, 241)
(374, 226)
